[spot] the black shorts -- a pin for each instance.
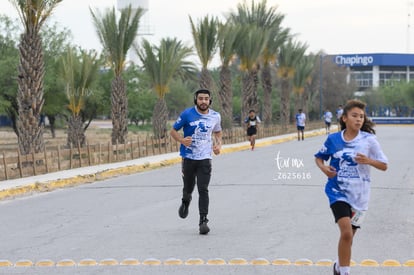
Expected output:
(342, 209)
(251, 131)
(300, 128)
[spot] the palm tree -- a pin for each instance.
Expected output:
(252, 43)
(33, 14)
(117, 38)
(254, 21)
(228, 35)
(302, 77)
(162, 64)
(289, 56)
(205, 41)
(278, 36)
(78, 74)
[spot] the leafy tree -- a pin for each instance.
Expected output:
(205, 41)
(180, 96)
(55, 42)
(272, 21)
(78, 73)
(103, 95)
(8, 68)
(228, 36)
(117, 38)
(336, 89)
(289, 55)
(396, 98)
(252, 43)
(161, 64)
(33, 14)
(140, 97)
(302, 77)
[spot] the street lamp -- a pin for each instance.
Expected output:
(321, 56)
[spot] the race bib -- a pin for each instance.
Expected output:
(357, 217)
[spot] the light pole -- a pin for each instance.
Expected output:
(320, 84)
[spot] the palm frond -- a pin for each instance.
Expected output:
(117, 35)
(205, 38)
(164, 62)
(34, 13)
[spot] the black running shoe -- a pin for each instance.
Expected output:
(334, 270)
(183, 210)
(204, 229)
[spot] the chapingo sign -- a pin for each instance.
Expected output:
(354, 60)
(373, 59)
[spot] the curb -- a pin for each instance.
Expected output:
(63, 179)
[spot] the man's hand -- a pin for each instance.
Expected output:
(186, 141)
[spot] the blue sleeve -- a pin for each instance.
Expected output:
(180, 122)
(324, 153)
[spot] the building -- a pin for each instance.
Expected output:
(145, 27)
(372, 70)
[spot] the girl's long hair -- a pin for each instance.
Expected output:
(368, 125)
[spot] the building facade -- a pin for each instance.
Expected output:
(373, 70)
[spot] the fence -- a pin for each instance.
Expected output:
(15, 165)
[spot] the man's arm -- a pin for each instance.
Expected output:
(186, 141)
(217, 137)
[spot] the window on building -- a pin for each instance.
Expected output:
(388, 78)
(362, 79)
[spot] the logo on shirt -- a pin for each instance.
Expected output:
(202, 127)
(347, 165)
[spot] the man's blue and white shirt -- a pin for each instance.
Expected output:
(300, 119)
(352, 181)
(199, 127)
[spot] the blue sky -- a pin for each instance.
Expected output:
(335, 26)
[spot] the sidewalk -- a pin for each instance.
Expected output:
(73, 177)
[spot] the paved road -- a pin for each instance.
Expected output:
(258, 212)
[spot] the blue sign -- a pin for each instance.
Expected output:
(374, 59)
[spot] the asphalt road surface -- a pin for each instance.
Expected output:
(265, 205)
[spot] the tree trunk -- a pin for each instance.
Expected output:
(249, 96)
(119, 111)
(160, 116)
(30, 93)
(226, 97)
(267, 95)
(76, 133)
(285, 103)
(206, 81)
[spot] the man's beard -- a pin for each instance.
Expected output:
(203, 107)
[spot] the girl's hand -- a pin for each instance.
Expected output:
(329, 171)
(362, 159)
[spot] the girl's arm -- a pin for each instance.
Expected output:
(328, 170)
(362, 159)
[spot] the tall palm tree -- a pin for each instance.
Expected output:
(78, 73)
(162, 64)
(289, 56)
(303, 72)
(228, 35)
(33, 14)
(277, 36)
(252, 43)
(254, 21)
(117, 37)
(205, 41)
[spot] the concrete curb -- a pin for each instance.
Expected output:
(69, 178)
